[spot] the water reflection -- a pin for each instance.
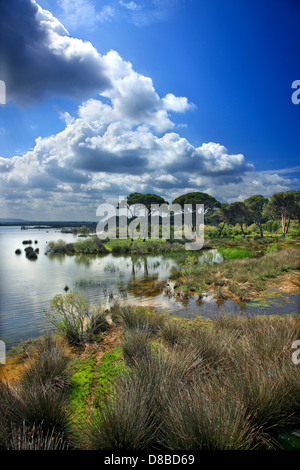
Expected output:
(210, 257)
(27, 288)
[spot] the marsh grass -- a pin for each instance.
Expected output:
(138, 318)
(41, 406)
(207, 417)
(50, 364)
(227, 384)
(85, 283)
(240, 278)
(143, 247)
(34, 438)
(123, 421)
(132, 418)
(136, 345)
(35, 408)
(269, 391)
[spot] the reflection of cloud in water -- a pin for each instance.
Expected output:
(208, 298)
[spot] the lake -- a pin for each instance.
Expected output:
(27, 286)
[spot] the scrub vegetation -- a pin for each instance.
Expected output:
(155, 382)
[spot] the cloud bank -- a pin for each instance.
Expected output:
(123, 141)
(39, 59)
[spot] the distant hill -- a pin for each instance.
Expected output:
(8, 221)
(43, 224)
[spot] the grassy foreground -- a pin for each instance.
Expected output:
(147, 381)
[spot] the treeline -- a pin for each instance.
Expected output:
(256, 210)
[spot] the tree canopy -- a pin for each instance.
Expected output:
(138, 200)
(283, 206)
(209, 203)
(255, 206)
(238, 213)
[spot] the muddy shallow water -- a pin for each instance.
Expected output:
(27, 286)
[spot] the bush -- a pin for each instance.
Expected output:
(252, 229)
(269, 391)
(75, 319)
(122, 248)
(211, 232)
(30, 253)
(91, 245)
(56, 247)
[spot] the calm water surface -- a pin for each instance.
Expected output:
(27, 286)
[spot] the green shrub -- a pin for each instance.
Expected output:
(91, 245)
(58, 246)
(75, 319)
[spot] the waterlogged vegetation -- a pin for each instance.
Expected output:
(236, 272)
(93, 245)
(238, 276)
(152, 382)
(133, 378)
(87, 246)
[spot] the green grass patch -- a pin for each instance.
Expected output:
(81, 386)
(112, 365)
(235, 253)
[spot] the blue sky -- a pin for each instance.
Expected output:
(109, 97)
